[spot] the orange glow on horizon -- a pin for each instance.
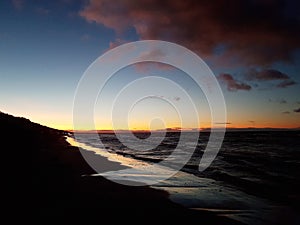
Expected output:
(64, 122)
(142, 127)
(242, 126)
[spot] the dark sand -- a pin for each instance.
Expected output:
(47, 187)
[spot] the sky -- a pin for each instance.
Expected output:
(252, 48)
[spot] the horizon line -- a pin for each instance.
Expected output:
(186, 130)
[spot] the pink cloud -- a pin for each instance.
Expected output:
(112, 14)
(253, 32)
(147, 67)
(116, 43)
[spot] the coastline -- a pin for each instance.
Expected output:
(188, 190)
(199, 193)
(59, 194)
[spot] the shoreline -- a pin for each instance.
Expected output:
(193, 192)
(203, 194)
(51, 189)
(144, 201)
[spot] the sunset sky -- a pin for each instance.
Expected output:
(252, 47)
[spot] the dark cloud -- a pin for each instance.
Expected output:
(297, 110)
(266, 74)
(223, 123)
(177, 98)
(232, 84)
(270, 75)
(286, 112)
(250, 32)
(252, 122)
(282, 101)
(286, 83)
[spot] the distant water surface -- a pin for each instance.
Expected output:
(254, 170)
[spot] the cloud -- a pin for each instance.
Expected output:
(286, 112)
(226, 123)
(149, 67)
(155, 54)
(282, 101)
(156, 96)
(18, 4)
(265, 75)
(297, 110)
(286, 83)
(116, 43)
(252, 122)
(175, 98)
(250, 32)
(270, 75)
(232, 84)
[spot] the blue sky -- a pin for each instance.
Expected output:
(45, 47)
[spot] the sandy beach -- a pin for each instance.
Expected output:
(59, 194)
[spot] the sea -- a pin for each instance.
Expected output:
(254, 178)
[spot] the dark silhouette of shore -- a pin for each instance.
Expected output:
(46, 185)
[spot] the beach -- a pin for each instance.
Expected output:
(59, 193)
(51, 183)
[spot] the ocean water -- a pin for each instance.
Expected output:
(254, 178)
